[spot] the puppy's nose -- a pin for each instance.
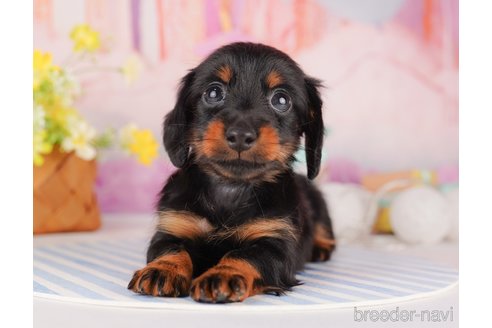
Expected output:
(240, 138)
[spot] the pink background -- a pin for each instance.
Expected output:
(390, 68)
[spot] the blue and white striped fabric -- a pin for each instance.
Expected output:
(98, 272)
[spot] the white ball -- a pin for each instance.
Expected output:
(452, 197)
(347, 205)
(420, 215)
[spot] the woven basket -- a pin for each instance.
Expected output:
(64, 198)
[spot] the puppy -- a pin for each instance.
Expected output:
(235, 220)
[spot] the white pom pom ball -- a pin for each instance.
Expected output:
(420, 215)
(347, 205)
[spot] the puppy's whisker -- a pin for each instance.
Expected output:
(306, 123)
(306, 148)
(210, 139)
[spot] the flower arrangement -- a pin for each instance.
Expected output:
(65, 145)
(56, 122)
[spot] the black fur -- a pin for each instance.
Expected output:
(230, 200)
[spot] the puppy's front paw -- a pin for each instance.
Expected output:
(324, 244)
(162, 277)
(322, 254)
(230, 281)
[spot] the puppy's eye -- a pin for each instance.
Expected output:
(280, 101)
(214, 94)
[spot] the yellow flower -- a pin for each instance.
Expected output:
(80, 139)
(144, 146)
(131, 69)
(61, 115)
(42, 67)
(85, 38)
(140, 143)
(41, 61)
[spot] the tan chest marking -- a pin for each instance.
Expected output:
(187, 225)
(184, 224)
(260, 228)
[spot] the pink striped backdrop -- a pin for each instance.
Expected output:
(391, 71)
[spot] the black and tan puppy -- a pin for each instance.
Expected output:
(235, 220)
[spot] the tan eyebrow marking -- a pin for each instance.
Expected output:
(184, 224)
(273, 79)
(225, 73)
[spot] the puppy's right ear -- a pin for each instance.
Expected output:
(176, 124)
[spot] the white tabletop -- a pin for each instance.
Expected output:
(52, 313)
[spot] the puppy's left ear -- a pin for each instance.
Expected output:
(313, 128)
(176, 124)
